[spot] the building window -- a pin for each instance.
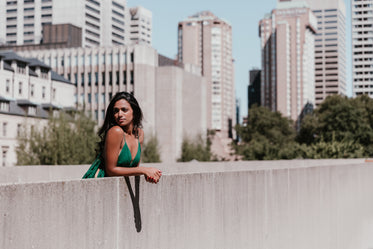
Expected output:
(5, 125)
(103, 98)
(4, 106)
(89, 98)
(96, 79)
(20, 88)
(82, 83)
(7, 86)
(32, 90)
(43, 92)
(32, 110)
(124, 77)
(4, 154)
(19, 129)
(89, 79)
(54, 93)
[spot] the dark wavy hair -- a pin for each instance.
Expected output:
(110, 121)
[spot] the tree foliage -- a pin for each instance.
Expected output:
(195, 149)
(66, 140)
(150, 152)
(339, 128)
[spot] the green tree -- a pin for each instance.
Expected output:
(67, 139)
(340, 120)
(197, 149)
(150, 153)
(267, 136)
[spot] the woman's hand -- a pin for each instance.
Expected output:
(152, 175)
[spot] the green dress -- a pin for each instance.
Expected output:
(124, 160)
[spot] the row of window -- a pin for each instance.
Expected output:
(89, 60)
(32, 89)
(110, 82)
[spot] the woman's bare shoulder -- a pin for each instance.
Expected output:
(115, 130)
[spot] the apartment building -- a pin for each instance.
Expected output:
(330, 47)
(288, 63)
(29, 91)
(362, 47)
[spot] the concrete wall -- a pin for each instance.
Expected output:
(317, 204)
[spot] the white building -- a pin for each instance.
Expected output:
(29, 89)
(140, 26)
(103, 22)
(362, 47)
(168, 92)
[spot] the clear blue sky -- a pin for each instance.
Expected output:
(244, 17)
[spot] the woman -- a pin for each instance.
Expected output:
(121, 141)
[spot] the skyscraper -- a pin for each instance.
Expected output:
(362, 47)
(140, 26)
(287, 42)
(102, 22)
(330, 47)
(206, 41)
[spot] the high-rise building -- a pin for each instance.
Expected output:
(254, 88)
(287, 43)
(103, 23)
(140, 26)
(206, 40)
(362, 47)
(330, 47)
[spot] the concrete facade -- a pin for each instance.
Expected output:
(362, 47)
(324, 204)
(287, 44)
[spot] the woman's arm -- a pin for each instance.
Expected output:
(113, 146)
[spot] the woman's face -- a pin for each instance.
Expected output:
(123, 113)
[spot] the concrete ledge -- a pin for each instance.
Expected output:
(309, 206)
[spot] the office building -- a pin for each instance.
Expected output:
(330, 47)
(29, 92)
(140, 26)
(254, 88)
(206, 41)
(288, 72)
(362, 47)
(103, 23)
(168, 92)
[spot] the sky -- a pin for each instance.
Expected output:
(244, 17)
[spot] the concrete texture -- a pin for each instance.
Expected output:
(280, 204)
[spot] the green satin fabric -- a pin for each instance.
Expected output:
(124, 160)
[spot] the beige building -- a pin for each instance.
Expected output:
(330, 47)
(206, 41)
(168, 92)
(29, 90)
(362, 47)
(287, 43)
